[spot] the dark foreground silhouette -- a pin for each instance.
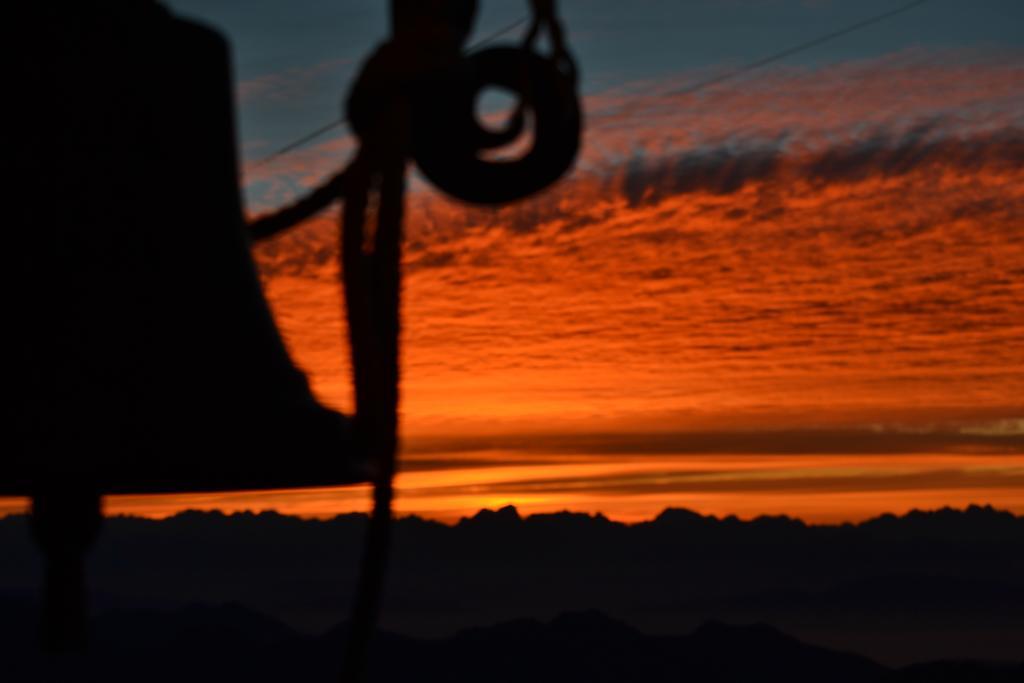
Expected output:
(216, 644)
(900, 590)
(146, 357)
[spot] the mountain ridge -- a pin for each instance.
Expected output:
(669, 515)
(900, 589)
(205, 642)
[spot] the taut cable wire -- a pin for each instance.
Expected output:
(796, 49)
(327, 128)
(695, 87)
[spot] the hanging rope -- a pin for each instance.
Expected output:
(372, 293)
(372, 283)
(316, 201)
(373, 186)
(415, 98)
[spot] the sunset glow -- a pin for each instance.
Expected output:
(802, 294)
(853, 276)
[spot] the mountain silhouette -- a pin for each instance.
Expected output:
(208, 643)
(898, 589)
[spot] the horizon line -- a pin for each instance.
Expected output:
(511, 511)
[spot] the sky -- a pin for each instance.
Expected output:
(798, 292)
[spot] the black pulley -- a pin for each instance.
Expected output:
(449, 142)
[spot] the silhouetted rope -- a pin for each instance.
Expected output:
(372, 292)
(381, 114)
(307, 207)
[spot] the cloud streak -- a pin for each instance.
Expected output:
(877, 441)
(816, 276)
(837, 488)
(881, 154)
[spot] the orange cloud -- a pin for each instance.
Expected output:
(868, 282)
(801, 294)
(636, 488)
(832, 254)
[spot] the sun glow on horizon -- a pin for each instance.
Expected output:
(637, 487)
(719, 310)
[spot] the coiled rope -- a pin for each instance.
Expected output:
(393, 82)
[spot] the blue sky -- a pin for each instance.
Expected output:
(309, 50)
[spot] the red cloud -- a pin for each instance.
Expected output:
(820, 251)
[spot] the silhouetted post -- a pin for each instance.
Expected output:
(65, 521)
